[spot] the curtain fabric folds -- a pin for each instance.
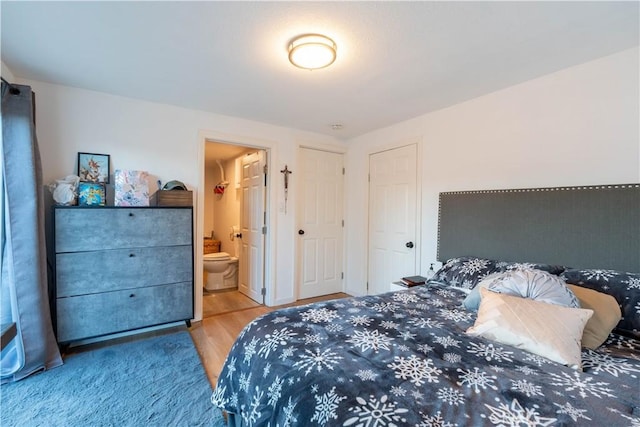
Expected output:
(24, 294)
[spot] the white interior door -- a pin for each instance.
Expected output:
(320, 223)
(392, 217)
(252, 223)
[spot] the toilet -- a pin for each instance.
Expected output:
(222, 271)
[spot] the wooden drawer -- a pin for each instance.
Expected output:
(88, 229)
(93, 315)
(172, 198)
(79, 273)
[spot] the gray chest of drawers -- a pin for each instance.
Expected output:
(119, 269)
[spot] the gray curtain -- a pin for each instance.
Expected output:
(23, 293)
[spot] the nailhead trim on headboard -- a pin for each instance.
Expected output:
(528, 190)
(542, 227)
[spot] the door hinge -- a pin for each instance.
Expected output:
(343, 223)
(265, 168)
(342, 275)
(264, 229)
(342, 171)
(263, 291)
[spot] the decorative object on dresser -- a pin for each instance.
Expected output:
(91, 194)
(131, 188)
(172, 198)
(93, 167)
(173, 193)
(120, 269)
(64, 190)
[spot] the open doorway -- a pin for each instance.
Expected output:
(234, 206)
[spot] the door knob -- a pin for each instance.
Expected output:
(301, 232)
(409, 245)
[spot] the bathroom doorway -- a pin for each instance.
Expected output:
(233, 256)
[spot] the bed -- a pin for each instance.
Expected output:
(450, 353)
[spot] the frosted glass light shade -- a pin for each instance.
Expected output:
(312, 51)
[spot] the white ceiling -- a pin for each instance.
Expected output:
(396, 60)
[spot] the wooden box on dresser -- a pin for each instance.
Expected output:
(119, 269)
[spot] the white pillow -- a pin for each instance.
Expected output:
(548, 330)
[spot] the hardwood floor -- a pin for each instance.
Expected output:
(215, 335)
(214, 303)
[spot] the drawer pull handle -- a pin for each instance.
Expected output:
(132, 295)
(132, 255)
(130, 213)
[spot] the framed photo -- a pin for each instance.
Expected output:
(91, 194)
(93, 167)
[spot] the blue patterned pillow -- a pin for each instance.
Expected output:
(464, 272)
(553, 269)
(624, 287)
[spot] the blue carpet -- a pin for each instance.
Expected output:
(157, 381)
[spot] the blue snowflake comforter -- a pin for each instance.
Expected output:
(403, 358)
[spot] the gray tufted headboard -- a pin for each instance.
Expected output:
(579, 227)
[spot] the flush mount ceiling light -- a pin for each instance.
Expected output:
(312, 51)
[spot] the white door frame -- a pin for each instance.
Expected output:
(419, 162)
(269, 248)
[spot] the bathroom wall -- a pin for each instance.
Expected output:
(222, 211)
(211, 178)
(226, 207)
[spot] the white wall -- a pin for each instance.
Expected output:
(6, 73)
(578, 126)
(168, 142)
